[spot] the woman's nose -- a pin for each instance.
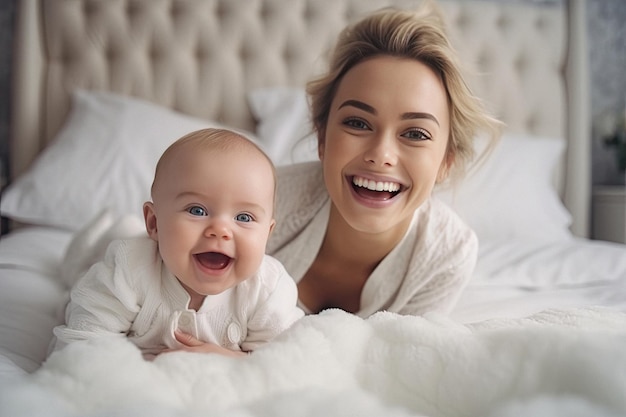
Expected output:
(218, 228)
(383, 151)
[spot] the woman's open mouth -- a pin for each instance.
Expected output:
(376, 190)
(213, 260)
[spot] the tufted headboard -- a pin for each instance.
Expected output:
(201, 57)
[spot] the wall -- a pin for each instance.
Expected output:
(607, 52)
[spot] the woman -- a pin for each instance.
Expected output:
(359, 230)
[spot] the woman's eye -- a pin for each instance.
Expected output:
(197, 211)
(356, 123)
(244, 217)
(417, 135)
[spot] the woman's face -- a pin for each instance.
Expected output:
(385, 142)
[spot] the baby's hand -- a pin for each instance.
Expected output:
(191, 344)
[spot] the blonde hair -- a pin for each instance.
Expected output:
(213, 139)
(417, 35)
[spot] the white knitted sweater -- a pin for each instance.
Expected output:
(426, 271)
(131, 294)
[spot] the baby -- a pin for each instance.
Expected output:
(201, 280)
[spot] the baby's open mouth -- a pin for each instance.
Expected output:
(379, 190)
(213, 260)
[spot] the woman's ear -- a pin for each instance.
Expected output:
(446, 165)
(321, 141)
(149, 217)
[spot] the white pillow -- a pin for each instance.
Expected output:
(283, 124)
(103, 157)
(511, 195)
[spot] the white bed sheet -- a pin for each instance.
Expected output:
(32, 297)
(517, 278)
(561, 263)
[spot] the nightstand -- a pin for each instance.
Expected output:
(609, 213)
(4, 222)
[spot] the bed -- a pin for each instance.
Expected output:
(102, 87)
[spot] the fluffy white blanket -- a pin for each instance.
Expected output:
(556, 363)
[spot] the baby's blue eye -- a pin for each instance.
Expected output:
(196, 211)
(243, 217)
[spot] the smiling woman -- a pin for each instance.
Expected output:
(393, 117)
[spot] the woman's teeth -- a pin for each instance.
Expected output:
(376, 185)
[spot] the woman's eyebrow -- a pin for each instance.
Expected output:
(405, 116)
(359, 105)
(420, 115)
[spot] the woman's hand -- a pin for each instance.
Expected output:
(191, 344)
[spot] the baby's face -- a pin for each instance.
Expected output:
(214, 214)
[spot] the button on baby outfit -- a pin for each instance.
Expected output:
(187, 323)
(234, 333)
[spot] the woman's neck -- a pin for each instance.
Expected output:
(344, 263)
(358, 247)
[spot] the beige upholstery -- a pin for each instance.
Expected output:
(201, 57)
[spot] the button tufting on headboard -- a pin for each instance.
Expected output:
(201, 57)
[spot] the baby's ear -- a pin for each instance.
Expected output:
(149, 217)
(272, 224)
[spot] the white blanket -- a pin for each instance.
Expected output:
(555, 363)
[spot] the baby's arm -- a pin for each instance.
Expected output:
(102, 303)
(275, 314)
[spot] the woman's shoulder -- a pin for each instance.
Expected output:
(444, 246)
(295, 175)
(439, 220)
(299, 186)
(300, 195)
